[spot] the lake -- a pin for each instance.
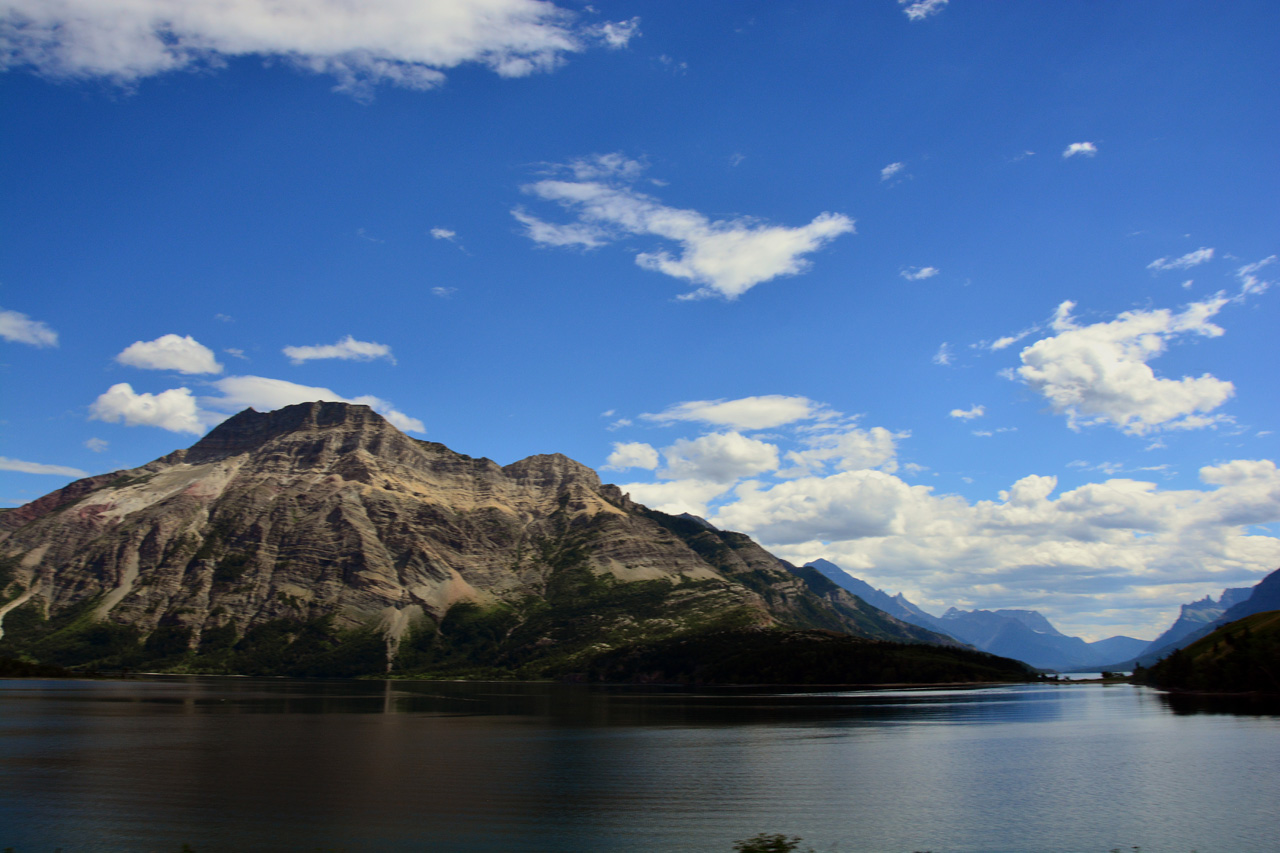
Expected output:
(227, 764)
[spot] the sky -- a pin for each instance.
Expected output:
(976, 300)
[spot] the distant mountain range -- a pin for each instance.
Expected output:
(1028, 636)
(1023, 635)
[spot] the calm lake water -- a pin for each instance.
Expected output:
(271, 764)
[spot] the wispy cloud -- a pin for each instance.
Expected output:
(719, 257)
(7, 464)
(750, 413)
(919, 273)
(1250, 283)
(1190, 259)
(444, 234)
(918, 10)
(347, 349)
(970, 413)
(892, 169)
(20, 329)
(943, 356)
(1080, 149)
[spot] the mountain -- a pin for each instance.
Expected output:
(1236, 657)
(1201, 618)
(1024, 635)
(319, 539)
(1197, 615)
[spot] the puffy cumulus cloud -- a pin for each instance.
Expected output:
(845, 450)
(918, 10)
(347, 349)
(175, 410)
(1190, 259)
(849, 505)
(719, 257)
(720, 457)
(1080, 149)
(704, 467)
(171, 352)
(18, 328)
(1121, 543)
(675, 496)
(764, 412)
(1099, 373)
(631, 454)
(969, 414)
(260, 392)
(406, 43)
(919, 273)
(7, 464)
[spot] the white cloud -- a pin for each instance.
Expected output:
(918, 10)
(616, 34)
(260, 392)
(845, 450)
(1009, 340)
(404, 43)
(1190, 259)
(632, 454)
(97, 445)
(718, 458)
(20, 329)
(1249, 281)
(1099, 373)
(178, 410)
(549, 234)
(918, 273)
(347, 349)
(1080, 149)
(969, 414)
(171, 352)
(721, 257)
(892, 169)
(943, 356)
(7, 464)
(765, 412)
(675, 496)
(443, 292)
(1119, 543)
(174, 410)
(444, 234)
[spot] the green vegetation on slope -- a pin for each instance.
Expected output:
(1240, 657)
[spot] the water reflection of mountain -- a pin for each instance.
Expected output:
(1185, 704)
(573, 704)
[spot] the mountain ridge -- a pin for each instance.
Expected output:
(325, 515)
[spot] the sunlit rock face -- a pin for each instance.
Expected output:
(326, 509)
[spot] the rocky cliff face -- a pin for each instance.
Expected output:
(325, 510)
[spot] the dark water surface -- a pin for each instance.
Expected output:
(272, 764)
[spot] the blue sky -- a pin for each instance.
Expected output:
(976, 300)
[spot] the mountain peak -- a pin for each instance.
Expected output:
(250, 429)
